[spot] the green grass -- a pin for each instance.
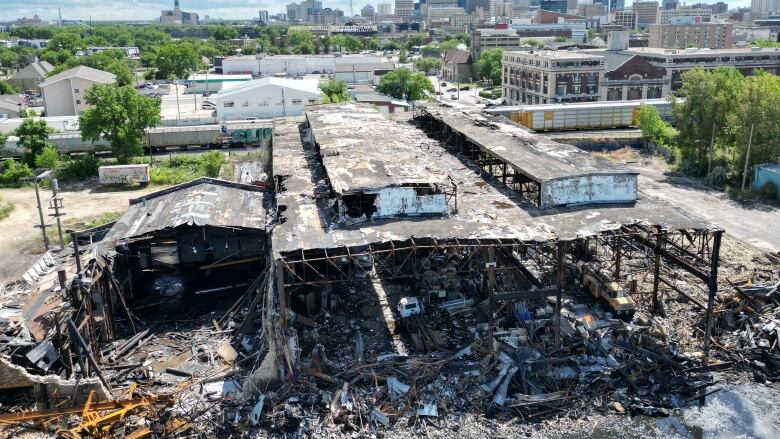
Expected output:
(5, 209)
(183, 168)
(79, 224)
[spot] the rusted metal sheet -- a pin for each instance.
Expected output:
(204, 201)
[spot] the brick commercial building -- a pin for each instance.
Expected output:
(546, 77)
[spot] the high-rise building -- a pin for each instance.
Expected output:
(625, 18)
(177, 16)
(263, 16)
(761, 8)
(664, 15)
(368, 12)
(404, 8)
(616, 5)
(561, 6)
(304, 10)
(646, 12)
(384, 9)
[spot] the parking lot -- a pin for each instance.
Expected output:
(188, 106)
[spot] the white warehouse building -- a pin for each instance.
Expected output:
(291, 65)
(266, 98)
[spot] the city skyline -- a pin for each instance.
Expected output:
(150, 9)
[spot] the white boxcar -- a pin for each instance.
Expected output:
(586, 115)
(124, 174)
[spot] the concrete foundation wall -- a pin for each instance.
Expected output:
(589, 189)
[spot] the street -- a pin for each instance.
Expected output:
(754, 223)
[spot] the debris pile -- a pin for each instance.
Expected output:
(749, 324)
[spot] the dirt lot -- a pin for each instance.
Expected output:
(20, 241)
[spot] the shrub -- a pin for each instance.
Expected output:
(211, 162)
(49, 158)
(768, 191)
(80, 168)
(718, 176)
(13, 171)
(5, 209)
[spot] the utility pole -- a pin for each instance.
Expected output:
(178, 110)
(712, 148)
(56, 204)
(747, 158)
(43, 224)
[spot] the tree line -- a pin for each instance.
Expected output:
(726, 123)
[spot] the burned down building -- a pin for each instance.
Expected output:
(455, 255)
(199, 237)
(359, 149)
(547, 173)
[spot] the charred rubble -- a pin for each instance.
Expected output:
(388, 277)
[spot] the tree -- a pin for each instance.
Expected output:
(120, 115)
(33, 135)
(533, 42)
(413, 41)
(49, 158)
(428, 64)
(448, 44)
(372, 43)
(335, 90)
(403, 58)
(7, 88)
(403, 84)
(711, 98)
(653, 127)
(124, 75)
(488, 66)
(560, 39)
(222, 33)
(175, 60)
(302, 42)
(392, 45)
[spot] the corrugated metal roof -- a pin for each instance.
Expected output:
(205, 201)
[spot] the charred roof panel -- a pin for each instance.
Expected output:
(201, 202)
(362, 150)
(538, 158)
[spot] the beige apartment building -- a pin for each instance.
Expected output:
(63, 93)
(680, 36)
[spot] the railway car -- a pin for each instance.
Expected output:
(583, 116)
(228, 135)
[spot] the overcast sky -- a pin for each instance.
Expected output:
(150, 9)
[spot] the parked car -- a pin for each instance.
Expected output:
(452, 90)
(465, 87)
(207, 106)
(443, 84)
(454, 97)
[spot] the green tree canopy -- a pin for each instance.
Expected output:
(428, 64)
(448, 44)
(414, 40)
(392, 45)
(335, 90)
(120, 115)
(33, 135)
(302, 42)
(175, 60)
(488, 66)
(7, 88)
(222, 33)
(403, 84)
(654, 128)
